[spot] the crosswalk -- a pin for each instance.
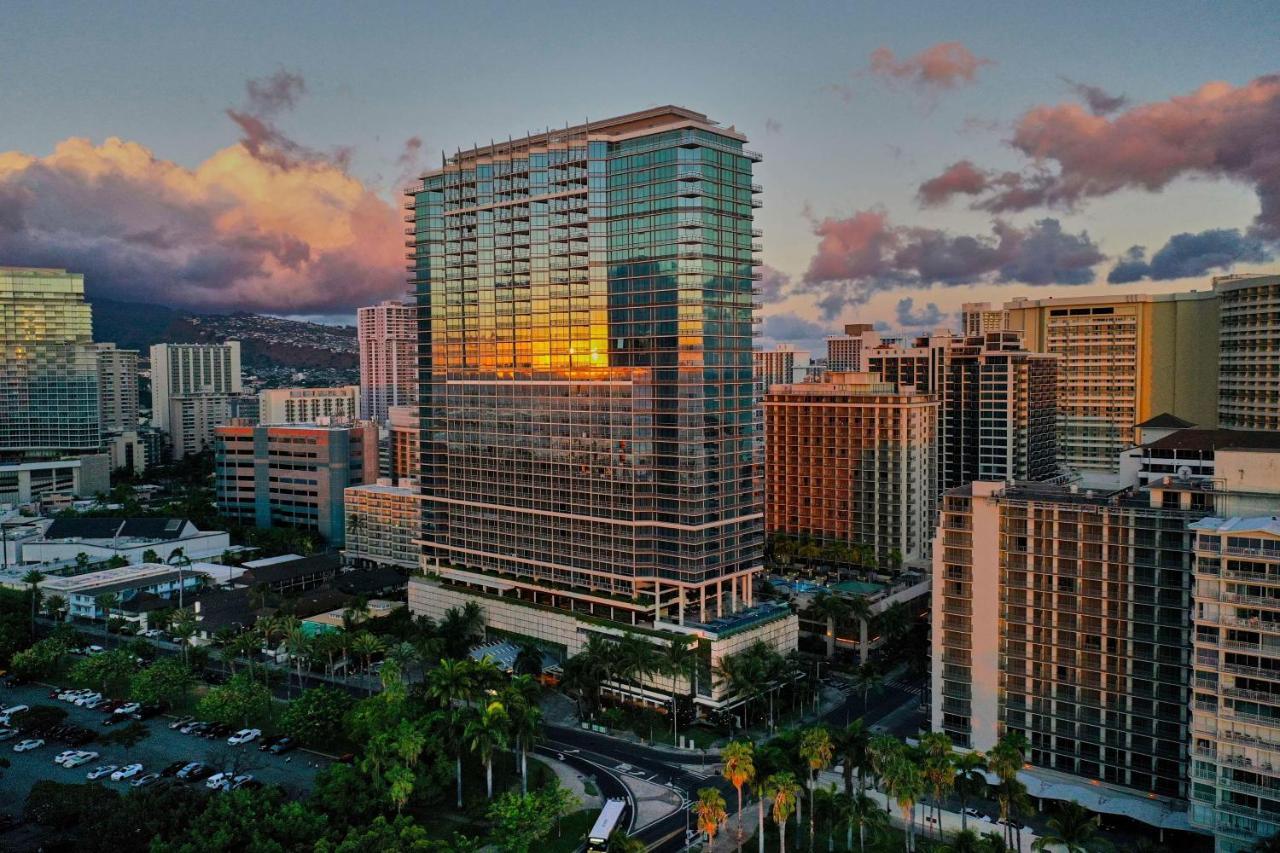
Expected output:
(913, 688)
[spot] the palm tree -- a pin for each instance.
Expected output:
(711, 813)
(867, 678)
(1005, 760)
(486, 734)
(809, 551)
(739, 769)
(405, 654)
(939, 770)
(367, 645)
(183, 627)
(851, 745)
(865, 813)
(449, 683)
(904, 784)
(895, 620)
(832, 609)
(33, 579)
(970, 782)
(883, 750)
(526, 727)
(816, 750)
(300, 648)
(679, 660)
(1071, 829)
(528, 661)
(54, 605)
(782, 790)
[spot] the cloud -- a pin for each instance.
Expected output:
(1217, 131)
(960, 178)
(946, 65)
(774, 285)
(772, 125)
(929, 315)
(260, 225)
(266, 99)
(1099, 101)
(792, 327)
(865, 254)
(1191, 255)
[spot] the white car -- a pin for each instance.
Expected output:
(126, 772)
(71, 693)
(94, 650)
(88, 697)
(92, 702)
(244, 736)
(99, 772)
(240, 781)
(14, 709)
(28, 744)
(152, 634)
(64, 755)
(129, 709)
(5, 734)
(80, 758)
(217, 780)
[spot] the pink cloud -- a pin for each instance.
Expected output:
(265, 224)
(946, 65)
(960, 178)
(1219, 131)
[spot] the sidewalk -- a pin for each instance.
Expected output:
(951, 821)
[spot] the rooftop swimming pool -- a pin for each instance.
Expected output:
(853, 587)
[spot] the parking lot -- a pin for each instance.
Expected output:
(294, 772)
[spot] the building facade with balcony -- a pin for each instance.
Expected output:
(1249, 352)
(852, 459)
(117, 388)
(382, 520)
(387, 334)
(585, 325)
(185, 370)
(308, 405)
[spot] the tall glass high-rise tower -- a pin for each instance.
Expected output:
(49, 373)
(585, 327)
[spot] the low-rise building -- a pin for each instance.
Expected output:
(383, 522)
(55, 481)
(136, 540)
(290, 572)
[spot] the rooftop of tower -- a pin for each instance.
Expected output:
(643, 122)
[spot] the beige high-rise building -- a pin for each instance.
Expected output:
(852, 459)
(978, 318)
(388, 337)
(1249, 351)
(117, 387)
(308, 405)
(383, 521)
(179, 370)
(1123, 360)
(192, 420)
(846, 353)
(784, 363)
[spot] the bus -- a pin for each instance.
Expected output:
(606, 824)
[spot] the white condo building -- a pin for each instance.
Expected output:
(179, 370)
(388, 339)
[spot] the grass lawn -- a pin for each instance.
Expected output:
(573, 831)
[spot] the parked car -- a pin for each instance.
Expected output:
(91, 702)
(194, 771)
(193, 726)
(217, 730)
(285, 744)
(80, 758)
(6, 734)
(217, 780)
(240, 781)
(81, 701)
(181, 721)
(144, 781)
(7, 715)
(152, 634)
(28, 744)
(174, 768)
(126, 772)
(202, 772)
(146, 712)
(63, 756)
(128, 708)
(99, 772)
(243, 736)
(94, 650)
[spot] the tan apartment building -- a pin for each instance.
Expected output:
(1249, 351)
(1123, 359)
(308, 405)
(383, 521)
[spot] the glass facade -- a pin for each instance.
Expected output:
(49, 373)
(585, 333)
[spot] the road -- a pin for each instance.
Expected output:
(600, 756)
(295, 772)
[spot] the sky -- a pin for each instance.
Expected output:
(916, 156)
